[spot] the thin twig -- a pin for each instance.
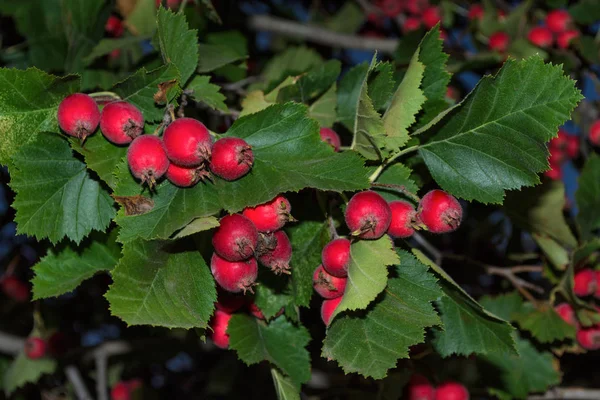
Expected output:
(74, 376)
(237, 87)
(10, 344)
(437, 255)
(101, 378)
(380, 169)
(572, 393)
(332, 231)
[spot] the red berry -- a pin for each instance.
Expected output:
(566, 312)
(585, 282)
(270, 216)
(231, 158)
(451, 391)
(431, 16)
(35, 348)
(147, 159)
(219, 324)
(415, 6)
(187, 141)
(594, 134)
(554, 173)
(327, 309)
(419, 388)
(15, 289)
(234, 276)
(78, 115)
(403, 215)
(540, 36)
(565, 38)
(368, 215)
(475, 12)
(439, 211)
(557, 157)
(229, 302)
(391, 8)
(572, 146)
(236, 238)
(499, 42)
(120, 391)
(411, 24)
(184, 176)
(327, 285)
(558, 20)
(114, 26)
(560, 141)
(336, 257)
(589, 338)
(330, 137)
(278, 259)
(121, 122)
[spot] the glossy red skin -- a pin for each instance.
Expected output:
(403, 215)
(78, 115)
(419, 388)
(120, 391)
(558, 20)
(35, 348)
(188, 142)
(585, 282)
(231, 158)
(475, 12)
(440, 212)
(564, 39)
(327, 309)
(234, 277)
(331, 137)
(270, 216)
(566, 312)
(411, 24)
(336, 257)
(451, 391)
(540, 36)
(499, 42)
(327, 285)
(147, 158)
(15, 289)
(184, 176)
(279, 258)
(594, 134)
(114, 26)
(431, 16)
(229, 302)
(589, 338)
(219, 324)
(236, 238)
(368, 215)
(121, 122)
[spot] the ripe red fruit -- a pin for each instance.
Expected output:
(439, 211)
(327, 285)
(331, 137)
(415, 6)
(451, 391)
(554, 173)
(121, 122)
(234, 276)
(231, 158)
(572, 146)
(419, 388)
(78, 115)
(411, 24)
(566, 312)
(147, 159)
(565, 38)
(431, 16)
(184, 176)
(499, 42)
(236, 238)
(336, 257)
(35, 348)
(270, 216)
(114, 26)
(475, 12)
(368, 215)
(594, 134)
(589, 338)
(540, 36)
(585, 282)
(229, 302)
(403, 215)
(219, 324)
(120, 391)
(558, 20)
(15, 289)
(328, 307)
(187, 141)
(278, 259)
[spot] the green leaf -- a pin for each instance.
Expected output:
(381, 87)
(94, 79)
(197, 225)
(214, 56)
(29, 104)
(588, 198)
(348, 19)
(523, 48)
(206, 92)
(210, 11)
(271, 300)
(312, 83)
(142, 19)
(101, 156)
(254, 102)
(324, 108)
(55, 195)
(279, 342)
(495, 140)
(24, 370)
(106, 46)
(178, 44)
(585, 12)
(367, 273)
(371, 342)
(284, 387)
(504, 306)
(161, 284)
(291, 62)
(544, 323)
(396, 174)
(62, 270)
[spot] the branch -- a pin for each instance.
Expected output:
(319, 35)
(568, 393)
(10, 344)
(101, 376)
(74, 376)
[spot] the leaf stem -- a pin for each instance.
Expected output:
(390, 160)
(398, 188)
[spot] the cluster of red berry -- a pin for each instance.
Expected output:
(562, 147)
(417, 13)
(558, 27)
(419, 388)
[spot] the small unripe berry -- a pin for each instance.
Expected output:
(589, 338)
(121, 391)
(540, 36)
(15, 289)
(594, 134)
(328, 307)
(236, 238)
(219, 324)
(475, 12)
(229, 302)
(565, 38)
(270, 216)
(78, 115)
(499, 42)
(336, 257)
(278, 259)
(558, 20)
(403, 215)
(231, 158)
(121, 122)
(439, 211)
(327, 285)
(431, 16)
(451, 391)
(35, 348)
(185, 176)
(330, 137)
(566, 312)
(234, 276)
(368, 215)
(147, 159)
(187, 141)
(411, 24)
(585, 282)
(419, 388)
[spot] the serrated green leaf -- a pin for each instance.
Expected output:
(279, 342)
(312, 83)
(348, 19)
(284, 387)
(588, 198)
(158, 283)
(495, 140)
(55, 195)
(106, 46)
(396, 174)
(254, 102)
(24, 370)
(28, 104)
(101, 156)
(98, 79)
(381, 87)
(83, 25)
(207, 92)
(371, 342)
(291, 62)
(214, 56)
(324, 108)
(271, 300)
(504, 305)
(544, 323)
(178, 44)
(198, 225)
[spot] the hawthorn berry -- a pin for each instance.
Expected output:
(219, 324)
(368, 215)
(121, 391)
(231, 158)
(270, 216)
(589, 338)
(451, 391)
(411, 24)
(331, 137)
(327, 285)
(419, 388)
(499, 42)
(439, 211)
(188, 142)
(147, 159)
(336, 257)
(594, 134)
(78, 115)
(585, 282)
(558, 20)
(114, 26)
(391, 8)
(475, 12)
(566, 312)
(431, 16)
(415, 6)
(540, 36)
(234, 276)
(229, 302)
(121, 122)
(15, 288)
(564, 39)
(554, 173)
(236, 238)
(278, 259)
(185, 176)
(403, 215)
(35, 348)
(328, 308)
